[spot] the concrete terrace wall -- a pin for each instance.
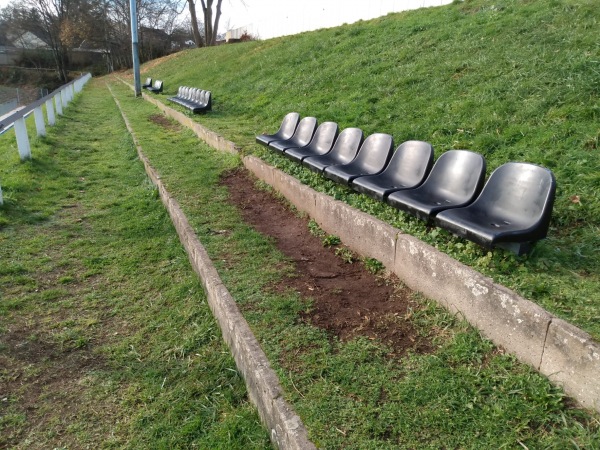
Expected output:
(285, 427)
(568, 356)
(565, 354)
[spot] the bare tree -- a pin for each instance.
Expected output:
(102, 25)
(52, 21)
(211, 26)
(156, 20)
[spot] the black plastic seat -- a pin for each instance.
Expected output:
(512, 211)
(344, 150)
(201, 101)
(302, 136)
(286, 130)
(321, 142)
(372, 157)
(407, 169)
(454, 181)
(157, 87)
(147, 83)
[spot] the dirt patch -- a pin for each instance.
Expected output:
(165, 122)
(42, 382)
(46, 358)
(348, 300)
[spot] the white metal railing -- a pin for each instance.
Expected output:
(58, 99)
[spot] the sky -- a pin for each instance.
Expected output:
(272, 18)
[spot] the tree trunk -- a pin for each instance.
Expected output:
(207, 12)
(215, 29)
(194, 20)
(211, 29)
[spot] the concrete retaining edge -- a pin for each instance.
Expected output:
(264, 390)
(567, 355)
(210, 137)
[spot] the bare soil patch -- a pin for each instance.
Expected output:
(43, 382)
(43, 375)
(165, 122)
(348, 300)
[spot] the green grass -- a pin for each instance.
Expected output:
(513, 80)
(92, 270)
(466, 394)
(106, 338)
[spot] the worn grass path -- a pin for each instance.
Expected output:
(106, 340)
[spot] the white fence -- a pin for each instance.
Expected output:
(58, 99)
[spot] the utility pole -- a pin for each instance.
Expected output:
(134, 48)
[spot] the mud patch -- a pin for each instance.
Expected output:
(348, 300)
(165, 122)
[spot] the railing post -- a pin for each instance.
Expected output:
(38, 115)
(63, 98)
(22, 139)
(50, 112)
(58, 101)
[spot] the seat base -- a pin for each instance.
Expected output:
(519, 248)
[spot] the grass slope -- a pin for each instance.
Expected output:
(513, 80)
(107, 340)
(466, 394)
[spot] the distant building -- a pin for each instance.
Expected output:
(29, 41)
(240, 33)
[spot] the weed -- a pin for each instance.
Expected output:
(345, 254)
(372, 265)
(330, 240)
(315, 229)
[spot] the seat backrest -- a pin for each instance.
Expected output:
(208, 99)
(457, 175)
(521, 192)
(346, 145)
(180, 91)
(288, 125)
(324, 137)
(158, 84)
(148, 82)
(304, 132)
(410, 163)
(199, 96)
(375, 152)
